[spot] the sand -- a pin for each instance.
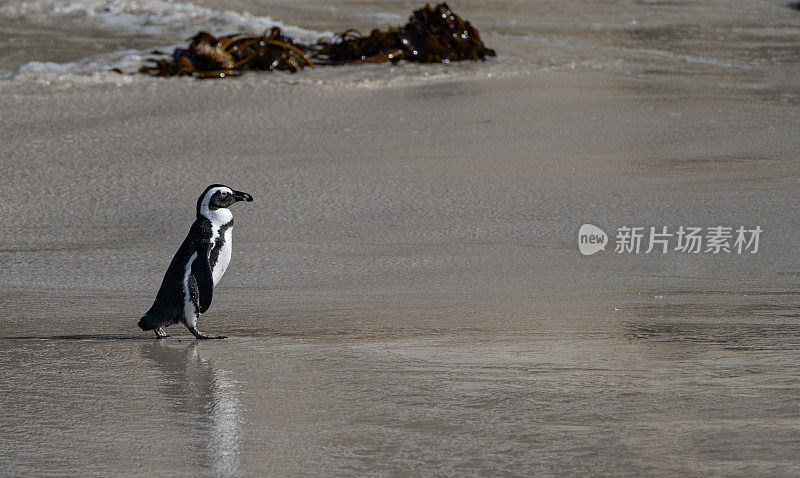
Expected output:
(406, 293)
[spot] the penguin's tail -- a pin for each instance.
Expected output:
(147, 323)
(151, 321)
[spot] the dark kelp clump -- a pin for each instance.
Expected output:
(432, 35)
(231, 55)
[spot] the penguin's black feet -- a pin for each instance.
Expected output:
(161, 334)
(201, 335)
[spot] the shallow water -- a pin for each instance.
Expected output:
(23, 43)
(567, 395)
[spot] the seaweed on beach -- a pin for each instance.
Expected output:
(231, 55)
(432, 35)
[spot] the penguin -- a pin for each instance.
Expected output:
(198, 265)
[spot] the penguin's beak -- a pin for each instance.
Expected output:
(241, 196)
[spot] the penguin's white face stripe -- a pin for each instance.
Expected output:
(207, 198)
(217, 216)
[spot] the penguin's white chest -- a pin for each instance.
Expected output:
(225, 246)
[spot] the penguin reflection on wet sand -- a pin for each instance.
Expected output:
(198, 265)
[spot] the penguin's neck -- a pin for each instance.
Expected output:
(218, 217)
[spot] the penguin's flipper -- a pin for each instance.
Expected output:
(201, 270)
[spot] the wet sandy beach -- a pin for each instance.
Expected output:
(406, 294)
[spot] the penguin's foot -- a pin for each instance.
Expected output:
(161, 334)
(201, 335)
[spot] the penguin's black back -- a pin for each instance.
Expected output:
(168, 307)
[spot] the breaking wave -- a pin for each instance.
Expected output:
(146, 16)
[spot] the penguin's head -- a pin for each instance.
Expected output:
(219, 196)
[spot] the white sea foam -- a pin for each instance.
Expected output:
(148, 16)
(36, 67)
(98, 68)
